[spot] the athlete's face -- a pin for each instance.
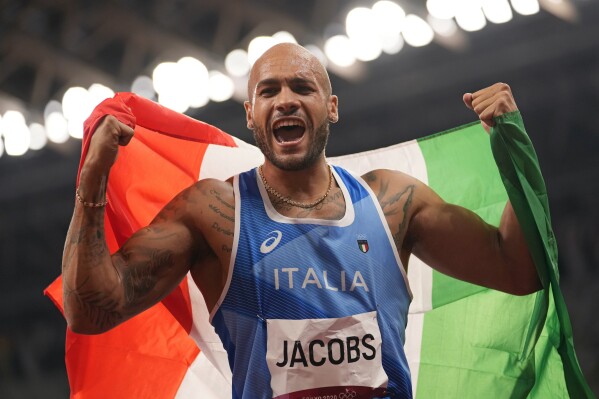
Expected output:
(290, 107)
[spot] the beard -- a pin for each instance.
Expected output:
(292, 162)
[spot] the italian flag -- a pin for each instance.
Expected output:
(462, 340)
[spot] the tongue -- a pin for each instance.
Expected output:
(289, 134)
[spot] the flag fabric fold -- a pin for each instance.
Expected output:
(463, 341)
(519, 169)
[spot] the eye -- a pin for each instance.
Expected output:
(304, 89)
(268, 91)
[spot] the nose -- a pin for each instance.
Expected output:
(287, 101)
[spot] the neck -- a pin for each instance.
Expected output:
(300, 185)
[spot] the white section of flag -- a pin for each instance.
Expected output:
(203, 380)
(222, 162)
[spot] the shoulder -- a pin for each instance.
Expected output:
(214, 196)
(192, 203)
(399, 194)
(213, 187)
(381, 181)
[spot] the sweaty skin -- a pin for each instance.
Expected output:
(289, 109)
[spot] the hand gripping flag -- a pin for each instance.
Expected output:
(463, 341)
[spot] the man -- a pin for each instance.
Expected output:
(301, 311)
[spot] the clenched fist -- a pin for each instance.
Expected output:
(490, 102)
(104, 146)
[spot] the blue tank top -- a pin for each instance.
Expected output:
(314, 307)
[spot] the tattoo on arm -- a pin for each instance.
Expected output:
(220, 199)
(219, 212)
(222, 230)
(99, 308)
(140, 277)
(398, 203)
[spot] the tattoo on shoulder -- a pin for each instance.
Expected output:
(220, 199)
(219, 212)
(369, 177)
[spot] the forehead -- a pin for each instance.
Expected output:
(282, 67)
(284, 64)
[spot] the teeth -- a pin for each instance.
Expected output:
(287, 122)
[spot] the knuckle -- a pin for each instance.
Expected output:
(110, 120)
(504, 87)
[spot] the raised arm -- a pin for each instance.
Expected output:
(457, 242)
(100, 290)
(452, 239)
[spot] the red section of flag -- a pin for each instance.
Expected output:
(147, 356)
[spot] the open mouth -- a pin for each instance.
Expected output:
(289, 130)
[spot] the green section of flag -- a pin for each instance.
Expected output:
(520, 172)
(460, 169)
(478, 342)
(472, 340)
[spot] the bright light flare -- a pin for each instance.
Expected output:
(497, 11)
(469, 16)
(220, 87)
(75, 103)
(283, 37)
(56, 128)
(38, 136)
(143, 86)
(258, 46)
(417, 32)
(237, 63)
(442, 27)
(16, 133)
(339, 50)
(526, 7)
(441, 9)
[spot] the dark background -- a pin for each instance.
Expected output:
(551, 64)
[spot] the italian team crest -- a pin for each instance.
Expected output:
(363, 245)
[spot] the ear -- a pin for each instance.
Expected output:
(333, 109)
(248, 114)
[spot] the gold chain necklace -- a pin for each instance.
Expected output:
(291, 202)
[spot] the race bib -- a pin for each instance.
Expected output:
(326, 358)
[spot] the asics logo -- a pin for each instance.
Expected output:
(271, 242)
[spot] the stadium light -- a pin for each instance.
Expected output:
(38, 136)
(525, 7)
(237, 63)
(220, 87)
(143, 86)
(416, 31)
(470, 17)
(339, 51)
(16, 133)
(497, 11)
(441, 9)
(56, 127)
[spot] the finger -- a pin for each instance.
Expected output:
(467, 98)
(486, 127)
(482, 103)
(486, 116)
(491, 91)
(126, 133)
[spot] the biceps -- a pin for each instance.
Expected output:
(457, 242)
(152, 262)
